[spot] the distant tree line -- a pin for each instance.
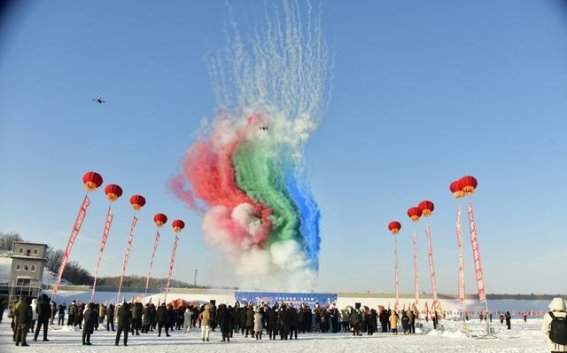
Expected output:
(74, 273)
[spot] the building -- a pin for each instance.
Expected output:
(28, 264)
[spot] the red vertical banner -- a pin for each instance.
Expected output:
(396, 279)
(126, 255)
(461, 288)
(105, 233)
(431, 265)
(74, 233)
(415, 269)
(156, 242)
(476, 257)
(171, 263)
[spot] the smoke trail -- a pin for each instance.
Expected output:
(247, 169)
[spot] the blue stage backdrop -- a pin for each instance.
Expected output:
(294, 298)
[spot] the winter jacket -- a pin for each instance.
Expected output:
(405, 321)
(89, 320)
(23, 312)
(250, 318)
(258, 327)
(124, 316)
(161, 315)
(394, 320)
(43, 309)
(187, 315)
(146, 315)
(557, 306)
(206, 317)
(292, 317)
(224, 318)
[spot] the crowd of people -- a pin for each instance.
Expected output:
(282, 321)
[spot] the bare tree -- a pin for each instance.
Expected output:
(7, 239)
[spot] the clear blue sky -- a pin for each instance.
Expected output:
(423, 93)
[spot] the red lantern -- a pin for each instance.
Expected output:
(414, 213)
(113, 192)
(469, 184)
(178, 225)
(160, 219)
(394, 227)
(92, 181)
(137, 201)
(456, 188)
(426, 208)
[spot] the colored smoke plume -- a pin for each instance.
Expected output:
(246, 170)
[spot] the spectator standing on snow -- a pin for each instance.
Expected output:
(53, 312)
(258, 326)
(554, 326)
(146, 319)
(124, 318)
(161, 317)
(61, 314)
(405, 322)
(43, 310)
(508, 317)
(89, 317)
(23, 314)
(224, 318)
(206, 321)
(394, 322)
(2, 308)
(187, 318)
(110, 317)
(34, 314)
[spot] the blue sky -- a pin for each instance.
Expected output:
(423, 93)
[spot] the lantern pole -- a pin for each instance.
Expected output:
(396, 280)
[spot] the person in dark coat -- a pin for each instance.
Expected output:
(272, 322)
(223, 319)
(43, 310)
(124, 319)
(161, 317)
(405, 322)
(72, 313)
(250, 321)
(23, 314)
(110, 317)
(89, 318)
(79, 316)
(136, 323)
(292, 322)
(171, 317)
(2, 308)
(53, 309)
(508, 317)
(242, 319)
(152, 313)
(61, 314)
(372, 324)
(146, 319)
(283, 322)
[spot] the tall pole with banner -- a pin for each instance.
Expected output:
(178, 226)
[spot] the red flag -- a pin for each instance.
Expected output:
(415, 269)
(476, 257)
(105, 233)
(431, 264)
(461, 288)
(127, 255)
(156, 241)
(172, 261)
(396, 281)
(74, 233)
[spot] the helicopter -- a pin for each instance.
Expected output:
(99, 100)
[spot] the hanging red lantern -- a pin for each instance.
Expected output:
(426, 208)
(469, 184)
(414, 213)
(92, 181)
(113, 192)
(137, 201)
(456, 188)
(394, 227)
(160, 219)
(178, 225)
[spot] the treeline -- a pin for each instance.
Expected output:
(75, 274)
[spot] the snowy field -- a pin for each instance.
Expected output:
(523, 338)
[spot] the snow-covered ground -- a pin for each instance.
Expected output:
(523, 338)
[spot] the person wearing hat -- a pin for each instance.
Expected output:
(554, 326)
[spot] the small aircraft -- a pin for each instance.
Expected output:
(99, 100)
(263, 127)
